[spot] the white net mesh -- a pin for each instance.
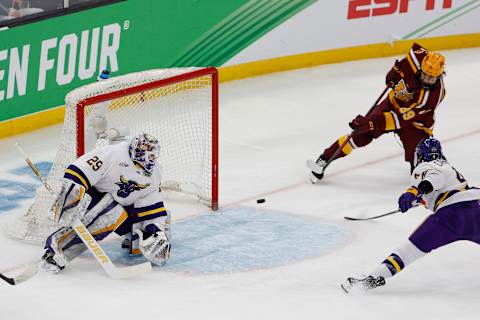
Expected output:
(179, 113)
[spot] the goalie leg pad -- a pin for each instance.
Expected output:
(101, 219)
(65, 205)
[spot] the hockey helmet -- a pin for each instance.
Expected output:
(433, 64)
(428, 149)
(144, 151)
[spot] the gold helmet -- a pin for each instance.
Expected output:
(433, 64)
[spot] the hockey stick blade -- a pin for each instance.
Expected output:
(30, 271)
(130, 272)
(7, 279)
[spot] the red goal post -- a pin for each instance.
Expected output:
(210, 71)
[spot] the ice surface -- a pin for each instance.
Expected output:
(269, 126)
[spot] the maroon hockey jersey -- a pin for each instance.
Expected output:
(412, 104)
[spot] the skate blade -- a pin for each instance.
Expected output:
(353, 289)
(344, 289)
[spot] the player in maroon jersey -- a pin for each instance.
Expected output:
(416, 89)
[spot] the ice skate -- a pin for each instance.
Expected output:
(53, 263)
(317, 168)
(353, 285)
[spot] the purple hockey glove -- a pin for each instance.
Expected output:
(408, 199)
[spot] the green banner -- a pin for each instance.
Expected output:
(42, 61)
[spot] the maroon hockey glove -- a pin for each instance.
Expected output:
(394, 75)
(362, 124)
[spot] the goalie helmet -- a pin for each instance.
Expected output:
(428, 149)
(144, 151)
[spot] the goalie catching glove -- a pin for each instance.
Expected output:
(154, 243)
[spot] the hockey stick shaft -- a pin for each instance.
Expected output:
(33, 167)
(87, 238)
(415, 204)
(103, 259)
(339, 149)
(374, 217)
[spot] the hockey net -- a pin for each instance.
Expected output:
(178, 105)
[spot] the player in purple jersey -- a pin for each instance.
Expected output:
(456, 214)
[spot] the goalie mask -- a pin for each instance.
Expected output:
(144, 151)
(428, 149)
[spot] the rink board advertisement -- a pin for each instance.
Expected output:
(327, 25)
(42, 61)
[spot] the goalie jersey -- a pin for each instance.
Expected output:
(449, 186)
(111, 170)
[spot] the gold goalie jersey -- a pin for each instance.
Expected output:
(111, 170)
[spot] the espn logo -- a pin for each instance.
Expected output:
(91, 243)
(370, 8)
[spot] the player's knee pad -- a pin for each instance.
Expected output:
(361, 140)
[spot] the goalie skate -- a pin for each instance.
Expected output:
(52, 263)
(352, 285)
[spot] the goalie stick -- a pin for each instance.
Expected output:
(33, 167)
(86, 237)
(29, 271)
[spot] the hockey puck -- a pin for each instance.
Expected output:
(260, 200)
